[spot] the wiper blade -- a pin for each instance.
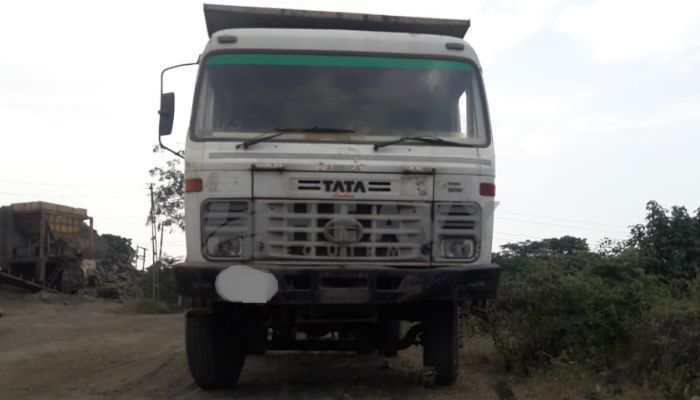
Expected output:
(281, 131)
(426, 139)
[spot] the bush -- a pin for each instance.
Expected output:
(672, 240)
(634, 306)
(666, 353)
(579, 308)
(168, 286)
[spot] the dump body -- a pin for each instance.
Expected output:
(219, 18)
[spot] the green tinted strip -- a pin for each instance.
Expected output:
(335, 61)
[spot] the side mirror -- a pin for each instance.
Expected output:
(167, 113)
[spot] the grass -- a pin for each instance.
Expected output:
(560, 381)
(148, 306)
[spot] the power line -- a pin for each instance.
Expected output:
(122, 218)
(130, 193)
(62, 184)
(560, 225)
(557, 218)
(519, 235)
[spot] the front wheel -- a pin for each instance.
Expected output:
(215, 349)
(441, 344)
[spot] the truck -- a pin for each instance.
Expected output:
(339, 188)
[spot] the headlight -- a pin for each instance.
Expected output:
(457, 248)
(456, 232)
(226, 229)
(225, 248)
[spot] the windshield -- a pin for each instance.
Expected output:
(243, 95)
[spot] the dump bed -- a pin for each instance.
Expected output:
(219, 17)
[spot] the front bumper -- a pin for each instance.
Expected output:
(350, 284)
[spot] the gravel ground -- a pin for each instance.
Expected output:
(59, 347)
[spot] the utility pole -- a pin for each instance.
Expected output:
(141, 257)
(160, 260)
(154, 247)
(154, 233)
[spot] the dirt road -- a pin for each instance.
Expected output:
(95, 349)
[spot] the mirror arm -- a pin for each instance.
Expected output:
(164, 147)
(162, 73)
(173, 67)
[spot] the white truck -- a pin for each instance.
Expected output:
(339, 188)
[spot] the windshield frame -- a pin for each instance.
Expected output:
(336, 138)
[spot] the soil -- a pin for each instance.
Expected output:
(74, 347)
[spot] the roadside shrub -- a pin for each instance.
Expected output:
(166, 277)
(572, 309)
(633, 307)
(672, 239)
(666, 353)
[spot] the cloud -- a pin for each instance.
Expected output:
(620, 30)
(536, 126)
(499, 26)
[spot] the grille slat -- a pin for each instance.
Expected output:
(284, 216)
(320, 230)
(367, 245)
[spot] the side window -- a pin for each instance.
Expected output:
(463, 116)
(204, 123)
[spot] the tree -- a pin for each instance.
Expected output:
(168, 193)
(117, 251)
(565, 245)
(166, 278)
(671, 239)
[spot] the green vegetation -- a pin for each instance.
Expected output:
(117, 250)
(168, 297)
(168, 195)
(631, 307)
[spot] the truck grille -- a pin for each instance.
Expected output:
(332, 230)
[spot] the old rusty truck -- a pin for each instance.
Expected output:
(339, 188)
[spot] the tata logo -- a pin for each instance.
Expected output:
(343, 231)
(346, 186)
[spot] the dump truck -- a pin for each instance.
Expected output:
(339, 188)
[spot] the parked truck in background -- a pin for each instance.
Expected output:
(339, 180)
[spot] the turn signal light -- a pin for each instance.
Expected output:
(487, 189)
(193, 185)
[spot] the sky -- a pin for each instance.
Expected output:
(595, 105)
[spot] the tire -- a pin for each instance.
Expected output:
(441, 344)
(215, 350)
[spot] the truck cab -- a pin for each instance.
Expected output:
(339, 188)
